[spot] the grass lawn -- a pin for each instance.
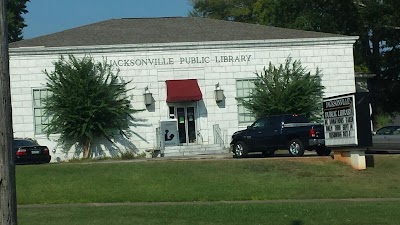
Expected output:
(210, 180)
(240, 214)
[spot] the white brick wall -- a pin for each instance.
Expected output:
(335, 61)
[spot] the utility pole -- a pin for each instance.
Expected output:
(8, 202)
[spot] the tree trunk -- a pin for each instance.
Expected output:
(8, 204)
(86, 149)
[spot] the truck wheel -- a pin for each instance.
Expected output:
(296, 147)
(323, 151)
(268, 153)
(240, 149)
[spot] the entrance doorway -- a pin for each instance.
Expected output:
(186, 116)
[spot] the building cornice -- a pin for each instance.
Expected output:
(179, 46)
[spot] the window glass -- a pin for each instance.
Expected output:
(243, 90)
(296, 119)
(240, 93)
(259, 124)
(384, 131)
(171, 112)
(396, 131)
(20, 143)
(40, 117)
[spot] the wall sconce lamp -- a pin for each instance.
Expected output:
(219, 93)
(148, 96)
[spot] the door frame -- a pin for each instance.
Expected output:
(185, 105)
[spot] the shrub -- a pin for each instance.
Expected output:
(382, 120)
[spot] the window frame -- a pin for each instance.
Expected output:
(39, 106)
(242, 93)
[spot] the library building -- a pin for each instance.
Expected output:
(187, 74)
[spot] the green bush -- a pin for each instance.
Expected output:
(141, 155)
(286, 89)
(127, 155)
(382, 120)
(84, 160)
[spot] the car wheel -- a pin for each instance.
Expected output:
(268, 153)
(240, 149)
(323, 151)
(296, 147)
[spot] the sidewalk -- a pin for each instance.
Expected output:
(194, 157)
(279, 201)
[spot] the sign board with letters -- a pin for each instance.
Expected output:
(347, 120)
(340, 120)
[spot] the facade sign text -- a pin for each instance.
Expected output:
(140, 62)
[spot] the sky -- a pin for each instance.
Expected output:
(50, 16)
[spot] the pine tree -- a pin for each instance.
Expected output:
(15, 20)
(288, 89)
(86, 101)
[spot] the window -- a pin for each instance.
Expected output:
(260, 123)
(171, 112)
(384, 131)
(41, 119)
(396, 131)
(243, 90)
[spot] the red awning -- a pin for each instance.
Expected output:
(183, 90)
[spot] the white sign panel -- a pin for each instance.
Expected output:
(340, 121)
(169, 132)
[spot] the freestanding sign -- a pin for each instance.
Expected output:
(169, 133)
(347, 120)
(340, 121)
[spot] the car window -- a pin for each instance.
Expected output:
(275, 122)
(384, 131)
(396, 131)
(20, 143)
(259, 124)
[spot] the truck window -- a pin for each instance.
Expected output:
(259, 124)
(296, 119)
(276, 122)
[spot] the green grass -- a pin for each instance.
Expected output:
(215, 180)
(331, 213)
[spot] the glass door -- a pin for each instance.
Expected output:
(186, 124)
(180, 115)
(191, 125)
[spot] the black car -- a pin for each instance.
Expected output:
(29, 151)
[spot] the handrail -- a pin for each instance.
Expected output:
(218, 136)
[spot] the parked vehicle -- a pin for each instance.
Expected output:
(386, 138)
(268, 134)
(29, 151)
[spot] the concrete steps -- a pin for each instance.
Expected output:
(192, 150)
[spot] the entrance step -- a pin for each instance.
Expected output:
(192, 150)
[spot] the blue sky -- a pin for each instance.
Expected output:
(50, 16)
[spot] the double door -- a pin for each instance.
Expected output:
(186, 116)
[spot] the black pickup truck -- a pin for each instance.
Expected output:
(268, 134)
